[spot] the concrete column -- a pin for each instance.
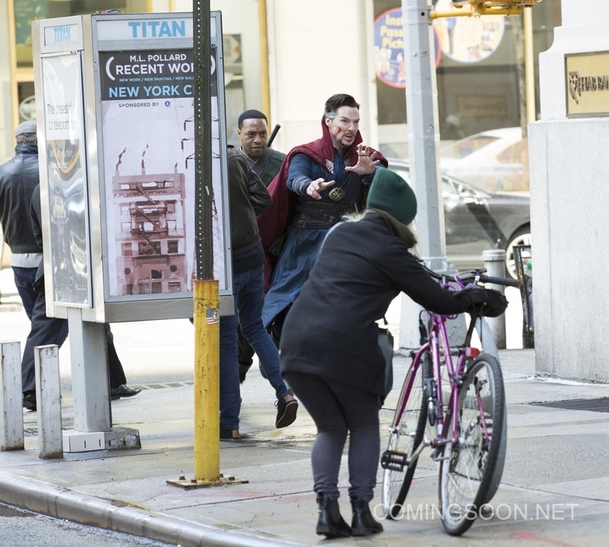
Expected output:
(569, 193)
(90, 386)
(11, 420)
(48, 401)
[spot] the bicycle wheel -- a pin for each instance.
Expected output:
(470, 471)
(404, 438)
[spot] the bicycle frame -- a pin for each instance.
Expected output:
(460, 393)
(438, 341)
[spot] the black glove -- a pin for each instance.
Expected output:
(477, 301)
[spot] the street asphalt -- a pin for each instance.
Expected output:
(555, 487)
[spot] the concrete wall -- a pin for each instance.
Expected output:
(318, 48)
(569, 196)
(569, 176)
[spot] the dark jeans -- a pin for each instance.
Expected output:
(51, 330)
(337, 409)
(44, 331)
(249, 296)
(24, 281)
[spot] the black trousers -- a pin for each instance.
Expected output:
(52, 330)
(338, 410)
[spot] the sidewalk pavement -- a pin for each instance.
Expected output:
(555, 487)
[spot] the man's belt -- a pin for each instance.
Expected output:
(318, 215)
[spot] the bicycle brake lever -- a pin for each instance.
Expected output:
(422, 332)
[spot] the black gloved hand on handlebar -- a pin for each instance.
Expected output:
(479, 301)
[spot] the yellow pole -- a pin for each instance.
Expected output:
(529, 64)
(264, 58)
(207, 374)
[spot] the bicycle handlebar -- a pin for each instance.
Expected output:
(472, 276)
(505, 281)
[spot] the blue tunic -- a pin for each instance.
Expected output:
(302, 243)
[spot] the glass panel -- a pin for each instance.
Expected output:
(27, 11)
(462, 149)
(480, 71)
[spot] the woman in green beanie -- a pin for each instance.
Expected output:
(330, 355)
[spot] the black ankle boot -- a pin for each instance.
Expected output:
(330, 523)
(363, 523)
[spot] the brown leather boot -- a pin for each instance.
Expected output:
(330, 523)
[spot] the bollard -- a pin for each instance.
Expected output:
(48, 401)
(494, 262)
(11, 421)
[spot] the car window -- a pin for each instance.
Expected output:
(463, 148)
(448, 188)
(404, 173)
(513, 153)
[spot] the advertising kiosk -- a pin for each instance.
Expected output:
(115, 114)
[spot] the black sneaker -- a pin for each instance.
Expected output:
(29, 400)
(286, 412)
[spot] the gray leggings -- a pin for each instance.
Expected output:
(337, 409)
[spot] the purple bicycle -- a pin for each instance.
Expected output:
(459, 391)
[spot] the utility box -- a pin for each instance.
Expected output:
(116, 128)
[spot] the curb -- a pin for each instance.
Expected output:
(62, 503)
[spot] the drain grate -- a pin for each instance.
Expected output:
(592, 405)
(166, 385)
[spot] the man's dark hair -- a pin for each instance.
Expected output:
(251, 115)
(337, 101)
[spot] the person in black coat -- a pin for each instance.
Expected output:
(54, 330)
(18, 178)
(330, 355)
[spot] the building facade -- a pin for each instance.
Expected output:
(287, 57)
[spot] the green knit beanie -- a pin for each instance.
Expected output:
(391, 193)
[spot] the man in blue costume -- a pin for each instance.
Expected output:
(318, 183)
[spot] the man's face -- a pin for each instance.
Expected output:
(253, 136)
(343, 127)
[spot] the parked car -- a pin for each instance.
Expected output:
(490, 160)
(476, 221)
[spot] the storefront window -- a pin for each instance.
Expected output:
(27, 11)
(479, 69)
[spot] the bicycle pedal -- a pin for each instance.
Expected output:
(396, 461)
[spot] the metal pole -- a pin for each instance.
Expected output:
(423, 139)
(206, 300)
(494, 262)
(423, 129)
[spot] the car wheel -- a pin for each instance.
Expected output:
(522, 236)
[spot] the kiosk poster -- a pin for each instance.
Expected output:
(67, 192)
(148, 154)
